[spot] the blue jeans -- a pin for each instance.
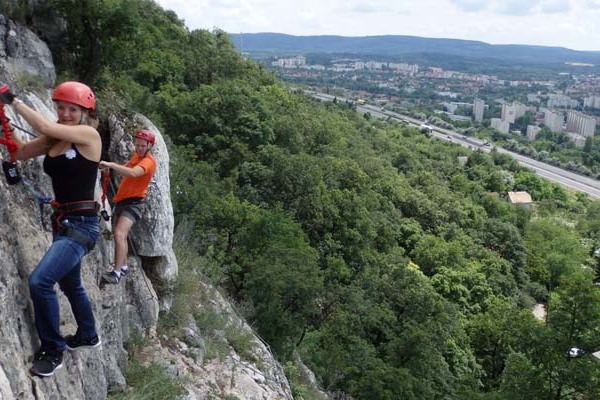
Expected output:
(62, 264)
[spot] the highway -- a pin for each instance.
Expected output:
(549, 172)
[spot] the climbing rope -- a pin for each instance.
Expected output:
(7, 130)
(42, 201)
(10, 167)
(105, 183)
(23, 130)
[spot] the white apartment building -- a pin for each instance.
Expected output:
(578, 140)
(448, 94)
(592, 102)
(560, 100)
(520, 109)
(532, 131)
(297, 61)
(451, 107)
(554, 121)
(500, 125)
(508, 113)
(578, 122)
(375, 65)
(478, 107)
(405, 68)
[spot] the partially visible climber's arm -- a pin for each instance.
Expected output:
(34, 148)
(134, 172)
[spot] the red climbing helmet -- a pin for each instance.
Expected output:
(145, 135)
(75, 93)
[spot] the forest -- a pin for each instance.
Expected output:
(390, 268)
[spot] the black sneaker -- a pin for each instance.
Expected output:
(111, 277)
(46, 362)
(74, 342)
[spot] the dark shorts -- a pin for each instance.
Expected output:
(132, 209)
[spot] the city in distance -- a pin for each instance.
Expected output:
(543, 102)
(410, 48)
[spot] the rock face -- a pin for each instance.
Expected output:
(125, 311)
(23, 55)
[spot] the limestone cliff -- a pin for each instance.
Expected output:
(122, 312)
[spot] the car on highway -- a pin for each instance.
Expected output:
(426, 128)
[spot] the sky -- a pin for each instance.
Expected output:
(574, 24)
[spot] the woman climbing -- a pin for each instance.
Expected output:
(129, 200)
(72, 148)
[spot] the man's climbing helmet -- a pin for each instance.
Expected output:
(145, 135)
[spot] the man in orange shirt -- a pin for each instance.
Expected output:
(129, 200)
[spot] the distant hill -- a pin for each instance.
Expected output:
(396, 45)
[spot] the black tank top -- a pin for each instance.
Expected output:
(73, 176)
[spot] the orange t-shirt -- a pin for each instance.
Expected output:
(136, 187)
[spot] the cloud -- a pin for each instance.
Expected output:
(372, 7)
(555, 6)
(471, 5)
(218, 4)
(503, 7)
(364, 8)
(593, 4)
(567, 23)
(516, 7)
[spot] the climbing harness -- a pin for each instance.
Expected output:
(62, 209)
(63, 213)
